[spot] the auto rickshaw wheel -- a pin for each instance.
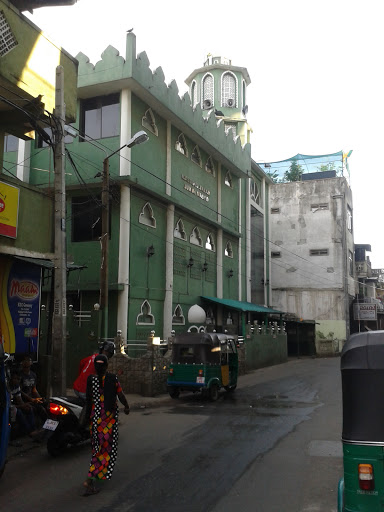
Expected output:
(174, 392)
(214, 392)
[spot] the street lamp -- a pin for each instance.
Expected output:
(138, 138)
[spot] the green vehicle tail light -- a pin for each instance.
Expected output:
(366, 480)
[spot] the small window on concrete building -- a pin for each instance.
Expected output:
(100, 117)
(319, 206)
(350, 262)
(275, 210)
(349, 219)
(86, 218)
(318, 252)
(275, 254)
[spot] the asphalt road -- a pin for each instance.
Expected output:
(271, 446)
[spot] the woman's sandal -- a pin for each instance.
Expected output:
(90, 489)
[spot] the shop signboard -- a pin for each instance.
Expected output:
(20, 306)
(365, 311)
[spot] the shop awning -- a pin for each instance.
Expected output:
(48, 263)
(243, 306)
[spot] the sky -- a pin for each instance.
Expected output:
(317, 83)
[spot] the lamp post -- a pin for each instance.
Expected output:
(138, 138)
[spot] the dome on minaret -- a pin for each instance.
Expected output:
(220, 89)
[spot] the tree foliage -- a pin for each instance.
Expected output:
(294, 172)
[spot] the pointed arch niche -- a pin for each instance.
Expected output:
(179, 231)
(210, 166)
(195, 156)
(149, 122)
(145, 316)
(195, 237)
(181, 145)
(228, 180)
(194, 93)
(228, 250)
(146, 216)
(209, 243)
(178, 317)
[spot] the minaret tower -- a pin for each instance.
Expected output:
(220, 88)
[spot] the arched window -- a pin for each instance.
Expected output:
(195, 237)
(149, 122)
(209, 243)
(146, 216)
(178, 317)
(209, 166)
(228, 90)
(228, 180)
(181, 145)
(145, 316)
(179, 231)
(255, 195)
(228, 250)
(207, 92)
(194, 93)
(230, 127)
(195, 156)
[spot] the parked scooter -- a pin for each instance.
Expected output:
(64, 424)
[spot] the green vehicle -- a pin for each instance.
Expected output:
(204, 362)
(362, 372)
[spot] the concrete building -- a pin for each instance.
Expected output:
(312, 254)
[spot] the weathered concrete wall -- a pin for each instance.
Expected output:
(314, 216)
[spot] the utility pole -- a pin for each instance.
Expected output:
(104, 280)
(59, 325)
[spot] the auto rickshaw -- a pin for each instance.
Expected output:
(204, 362)
(5, 427)
(362, 371)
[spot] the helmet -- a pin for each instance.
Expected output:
(108, 347)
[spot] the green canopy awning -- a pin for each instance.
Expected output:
(243, 306)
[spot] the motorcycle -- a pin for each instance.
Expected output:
(64, 424)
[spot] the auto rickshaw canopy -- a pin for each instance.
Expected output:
(362, 373)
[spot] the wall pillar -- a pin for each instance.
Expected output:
(168, 299)
(124, 260)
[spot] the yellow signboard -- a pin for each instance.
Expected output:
(9, 209)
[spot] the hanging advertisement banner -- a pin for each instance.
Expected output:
(20, 285)
(9, 209)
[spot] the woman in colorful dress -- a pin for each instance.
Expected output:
(102, 412)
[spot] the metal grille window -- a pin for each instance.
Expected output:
(230, 127)
(207, 92)
(318, 252)
(228, 91)
(7, 39)
(319, 206)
